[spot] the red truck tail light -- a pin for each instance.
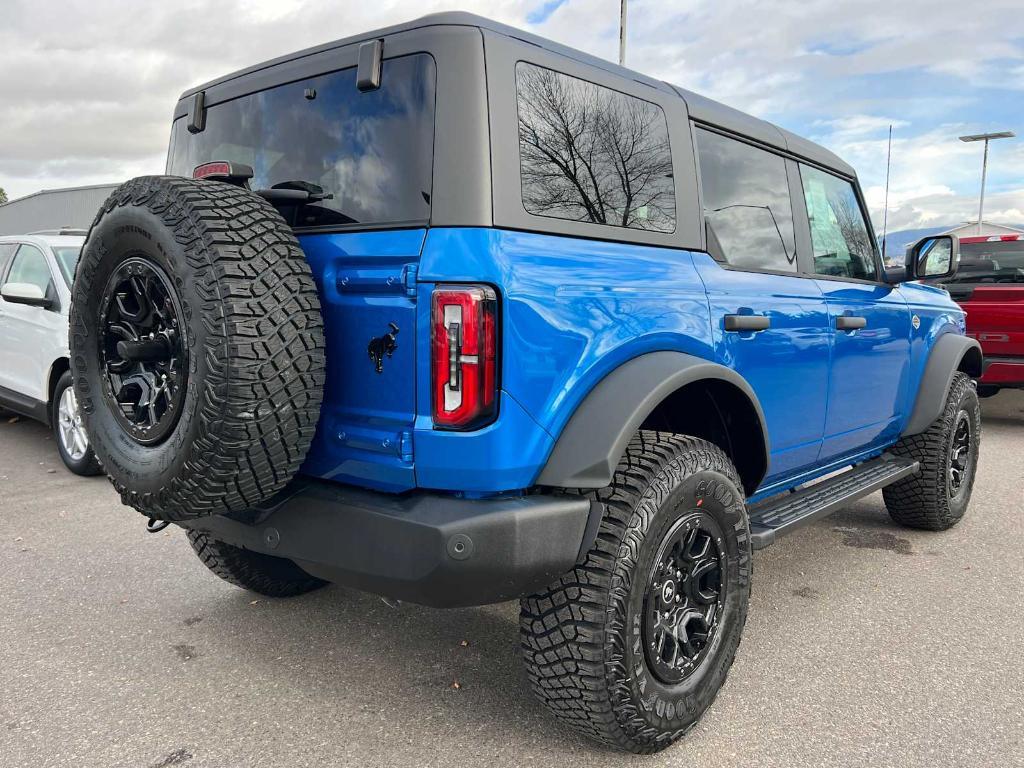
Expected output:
(464, 356)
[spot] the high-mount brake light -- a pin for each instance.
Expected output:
(464, 356)
(211, 169)
(219, 170)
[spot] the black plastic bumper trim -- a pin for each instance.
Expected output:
(426, 548)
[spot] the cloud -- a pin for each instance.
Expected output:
(88, 85)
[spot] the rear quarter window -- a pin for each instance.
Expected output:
(370, 153)
(592, 154)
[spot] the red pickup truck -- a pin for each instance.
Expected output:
(990, 286)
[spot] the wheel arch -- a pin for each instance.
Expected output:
(667, 391)
(952, 353)
(57, 369)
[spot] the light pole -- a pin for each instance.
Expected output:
(622, 33)
(986, 137)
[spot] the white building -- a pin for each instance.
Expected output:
(71, 208)
(988, 229)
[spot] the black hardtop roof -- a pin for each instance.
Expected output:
(701, 108)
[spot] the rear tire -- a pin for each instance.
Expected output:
(936, 498)
(602, 644)
(197, 347)
(265, 574)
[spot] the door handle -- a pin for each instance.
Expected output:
(753, 323)
(851, 322)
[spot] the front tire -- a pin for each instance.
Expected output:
(69, 432)
(936, 498)
(633, 645)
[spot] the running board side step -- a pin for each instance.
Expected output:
(789, 511)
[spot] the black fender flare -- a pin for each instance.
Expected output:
(595, 438)
(950, 353)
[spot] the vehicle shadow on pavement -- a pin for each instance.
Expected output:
(459, 669)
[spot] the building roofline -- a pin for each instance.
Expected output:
(984, 222)
(62, 189)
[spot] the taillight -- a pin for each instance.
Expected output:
(465, 341)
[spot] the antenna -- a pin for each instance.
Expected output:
(885, 215)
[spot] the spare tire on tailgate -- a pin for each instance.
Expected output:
(196, 345)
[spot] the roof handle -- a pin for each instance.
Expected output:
(371, 54)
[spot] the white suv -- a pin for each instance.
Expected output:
(35, 295)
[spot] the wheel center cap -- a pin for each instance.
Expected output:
(668, 591)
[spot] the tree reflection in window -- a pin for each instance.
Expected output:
(842, 244)
(592, 154)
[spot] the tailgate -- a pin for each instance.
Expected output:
(995, 317)
(367, 283)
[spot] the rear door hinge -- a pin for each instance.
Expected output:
(409, 279)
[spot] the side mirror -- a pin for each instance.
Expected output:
(25, 293)
(934, 258)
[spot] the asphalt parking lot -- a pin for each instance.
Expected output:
(866, 645)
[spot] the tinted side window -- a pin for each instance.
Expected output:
(843, 247)
(29, 266)
(747, 206)
(588, 153)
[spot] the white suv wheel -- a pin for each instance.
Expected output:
(72, 434)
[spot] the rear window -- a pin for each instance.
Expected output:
(996, 262)
(370, 154)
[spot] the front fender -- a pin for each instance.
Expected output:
(950, 353)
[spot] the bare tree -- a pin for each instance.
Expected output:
(852, 228)
(592, 154)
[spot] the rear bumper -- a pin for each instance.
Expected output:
(1003, 371)
(425, 548)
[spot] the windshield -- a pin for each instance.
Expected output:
(365, 157)
(67, 258)
(1001, 261)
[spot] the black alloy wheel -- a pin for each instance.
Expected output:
(143, 355)
(959, 454)
(684, 598)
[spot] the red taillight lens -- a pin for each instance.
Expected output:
(464, 359)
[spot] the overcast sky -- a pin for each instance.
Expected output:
(86, 88)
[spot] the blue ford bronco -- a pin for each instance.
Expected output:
(457, 315)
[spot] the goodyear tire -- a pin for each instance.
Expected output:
(197, 347)
(632, 646)
(936, 498)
